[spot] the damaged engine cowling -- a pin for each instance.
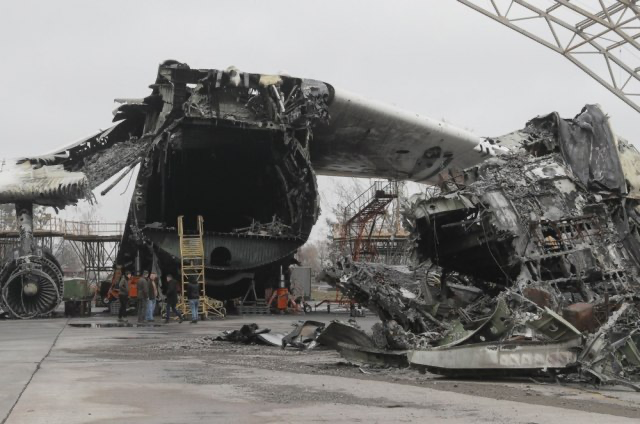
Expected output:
(31, 283)
(31, 286)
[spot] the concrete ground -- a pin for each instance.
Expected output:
(51, 372)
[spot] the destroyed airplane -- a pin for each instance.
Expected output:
(240, 149)
(530, 261)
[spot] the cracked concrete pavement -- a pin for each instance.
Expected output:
(177, 373)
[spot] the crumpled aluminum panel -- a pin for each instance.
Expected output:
(492, 356)
(339, 332)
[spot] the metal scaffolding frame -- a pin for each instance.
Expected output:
(97, 255)
(362, 231)
(95, 243)
(601, 37)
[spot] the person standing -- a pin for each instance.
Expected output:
(172, 298)
(123, 295)
(193, 294)
(143, 297)
(153, 296)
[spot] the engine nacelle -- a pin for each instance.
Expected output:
(31, 286)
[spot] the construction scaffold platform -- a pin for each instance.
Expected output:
(95, 243)
(368, 232)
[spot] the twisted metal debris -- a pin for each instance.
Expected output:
(531, 261)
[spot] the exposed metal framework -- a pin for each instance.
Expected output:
(95, 243)
(601, 37)
(364, 231)
(97, 255)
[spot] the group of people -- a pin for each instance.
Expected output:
(148, 293)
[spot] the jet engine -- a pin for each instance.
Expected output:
(31, 282)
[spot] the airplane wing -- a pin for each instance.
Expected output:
(363, 138)
(366, 138)
(70, 173)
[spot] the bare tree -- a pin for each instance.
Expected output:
(41, 216)
(7, 216)
(314, 254)
(385, 228)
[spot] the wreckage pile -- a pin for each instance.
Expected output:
(531, 261)
(455, 329)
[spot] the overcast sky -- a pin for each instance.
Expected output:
(63, 62)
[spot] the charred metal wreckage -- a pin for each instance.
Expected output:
(530, 261)
(240, 149)
(234, 148)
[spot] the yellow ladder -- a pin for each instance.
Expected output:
(192, 266)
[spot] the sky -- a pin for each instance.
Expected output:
(64, 62)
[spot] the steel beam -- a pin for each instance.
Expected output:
(612, 21)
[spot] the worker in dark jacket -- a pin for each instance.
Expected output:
(153, 296)
(143, 296)
(193, 294)
(172, 298)
(123, 295)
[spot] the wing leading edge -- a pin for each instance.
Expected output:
(366, 138)
(69, 174)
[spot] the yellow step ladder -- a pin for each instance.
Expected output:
(192, 267)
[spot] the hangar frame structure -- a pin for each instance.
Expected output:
(601, 37)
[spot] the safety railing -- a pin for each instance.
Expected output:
(63, 227)
(93, 228)
(379, 189)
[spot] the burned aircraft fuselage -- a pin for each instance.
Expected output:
(234, 148)
(559, 212)
(241, 150)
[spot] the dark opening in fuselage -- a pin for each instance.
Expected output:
(230, 180)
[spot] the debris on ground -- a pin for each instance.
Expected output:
(372, 357)
(530, 262)
(344, 332)
(248, 333)
(304, 335)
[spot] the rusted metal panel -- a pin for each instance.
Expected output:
(581, 316)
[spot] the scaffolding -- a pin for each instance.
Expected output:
(98, 256)
(366, 233)
(192, 264)
(95, 243)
